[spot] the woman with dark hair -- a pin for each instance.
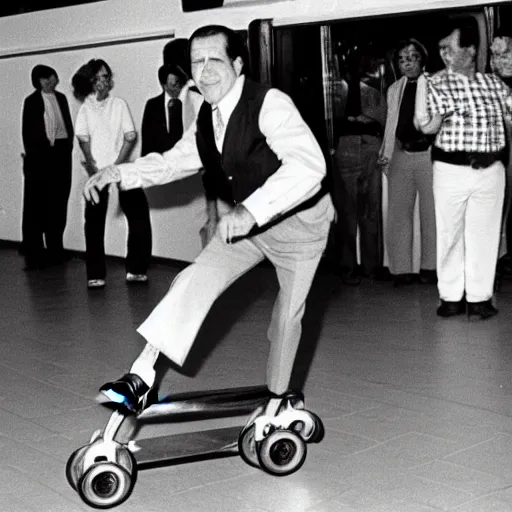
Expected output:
(47, 132)
(405, 159)
(106, 134)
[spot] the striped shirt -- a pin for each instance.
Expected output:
(474, 110)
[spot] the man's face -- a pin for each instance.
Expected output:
(212, 70)
(453, 56)
(48, 84)
(173, 85)
(102, 83)
(409, 62)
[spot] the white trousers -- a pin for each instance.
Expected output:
(294, 247)
(468, 204)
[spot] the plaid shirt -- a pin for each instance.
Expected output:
(474, 108)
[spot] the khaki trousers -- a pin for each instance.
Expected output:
(410, 176)
(294, 247)
(469, 205)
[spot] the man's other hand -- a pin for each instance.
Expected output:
(96, 183)
(236, 224)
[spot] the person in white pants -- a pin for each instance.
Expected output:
(260, 157)
(466, 109)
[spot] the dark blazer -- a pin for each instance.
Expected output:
(33, 128)
(154, 134)
(155, 137)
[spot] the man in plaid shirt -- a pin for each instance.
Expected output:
(466, 110)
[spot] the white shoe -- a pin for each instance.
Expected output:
(95, 283)
(136, 278)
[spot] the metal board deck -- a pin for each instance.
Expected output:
(187, 447)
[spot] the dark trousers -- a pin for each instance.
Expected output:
(47, 185)
(135, 207)
(358, 184)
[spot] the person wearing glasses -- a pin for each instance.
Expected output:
(106, 134)
(405, 159)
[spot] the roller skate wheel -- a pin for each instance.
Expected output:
(105, 485)
(247, 447)
(74, 467)
(283, 452)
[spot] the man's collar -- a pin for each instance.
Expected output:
(463, 75)
(228, 103)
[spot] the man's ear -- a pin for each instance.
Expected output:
(238, 64)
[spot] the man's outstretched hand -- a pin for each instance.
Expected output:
(236, 224)
(96, 183)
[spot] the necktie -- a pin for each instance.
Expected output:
(174, 108)
(218, 125)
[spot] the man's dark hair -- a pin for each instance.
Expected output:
(41, 71)
(83, 80)
(469, 34)
(172, 69)
(235, 46)
(176, 52)
(405, 43)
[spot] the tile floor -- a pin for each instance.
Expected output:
(418, 410)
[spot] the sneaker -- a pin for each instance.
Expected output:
(130, 390)
(136, 278)
(95, 283)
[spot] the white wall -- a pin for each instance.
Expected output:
(176, 211)
(62, 38)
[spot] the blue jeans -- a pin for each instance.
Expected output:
(359, 201)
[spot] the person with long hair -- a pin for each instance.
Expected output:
(106, 134)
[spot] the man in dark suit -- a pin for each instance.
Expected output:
(169, 114)
(47, 132)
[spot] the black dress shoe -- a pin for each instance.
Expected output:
(400, 280)
(382, 274)
(449, 308)
(351, 278)
(31, 265)
(505, 265)
(483, 309)
(130, 390)
(428, 276)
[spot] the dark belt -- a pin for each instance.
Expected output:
(469, 159)
(417, 146)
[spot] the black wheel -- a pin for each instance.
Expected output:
(105, 485)
(319, 433)
(74, 467)
(283, 452)
(247, 447)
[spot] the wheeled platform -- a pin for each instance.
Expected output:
(104, 471)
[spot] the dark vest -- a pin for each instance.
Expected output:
(246, 161)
